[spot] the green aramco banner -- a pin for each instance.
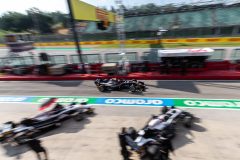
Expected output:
(129, 101)
(208, 103)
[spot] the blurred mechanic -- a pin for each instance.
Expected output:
(36, 146)
(164, 109)
(124, 151)
(166, 146)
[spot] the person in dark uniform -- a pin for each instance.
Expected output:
(164, 109)
(124, 151)
(36, 146)
(166, 146)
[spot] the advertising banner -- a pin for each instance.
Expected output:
(121, 101)
(14, 99)
(64, 99)
(135, 101)
(201, 103)
(87, 12)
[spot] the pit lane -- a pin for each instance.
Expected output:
(216, 136)
(170, 89)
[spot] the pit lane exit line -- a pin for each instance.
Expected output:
(131, 102)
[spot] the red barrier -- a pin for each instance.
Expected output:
(222, 65)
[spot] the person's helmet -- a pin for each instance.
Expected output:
(164, 109)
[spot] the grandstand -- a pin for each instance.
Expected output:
(182, 21)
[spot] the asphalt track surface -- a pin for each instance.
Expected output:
(215, 136)
(166, 89)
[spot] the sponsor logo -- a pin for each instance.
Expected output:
(212, 103)
(13, 99)
(65, 100)
(134, 101)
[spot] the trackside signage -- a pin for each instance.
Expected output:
(64, 99)
(121, 101)
(207, 103)
(135, 101)
(13, 99)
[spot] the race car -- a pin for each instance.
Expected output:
(18, 132)
(147, 146)
(157, 128)
(167, 121)
(120, 84)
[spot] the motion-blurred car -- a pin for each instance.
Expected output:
(120, 84)
(157, 128)
(53, 118)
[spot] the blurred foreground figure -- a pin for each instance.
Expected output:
(166, 147)
(36, 146)
(124, 151)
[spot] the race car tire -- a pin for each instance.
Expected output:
(132, 88)
(79, 117)
(90, 111)
(152, 151)
(187, 121)
(101, 88)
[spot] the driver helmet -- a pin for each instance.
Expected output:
(166, 118)
(134, 80)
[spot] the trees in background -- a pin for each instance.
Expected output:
(34, 21)
(16, 22)
(44, 22)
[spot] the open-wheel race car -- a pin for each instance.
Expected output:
(18, 132)
(120, 84)
(151, 140)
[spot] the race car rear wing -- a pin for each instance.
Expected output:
(47, 104)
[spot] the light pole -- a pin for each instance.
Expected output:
(75, 36)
